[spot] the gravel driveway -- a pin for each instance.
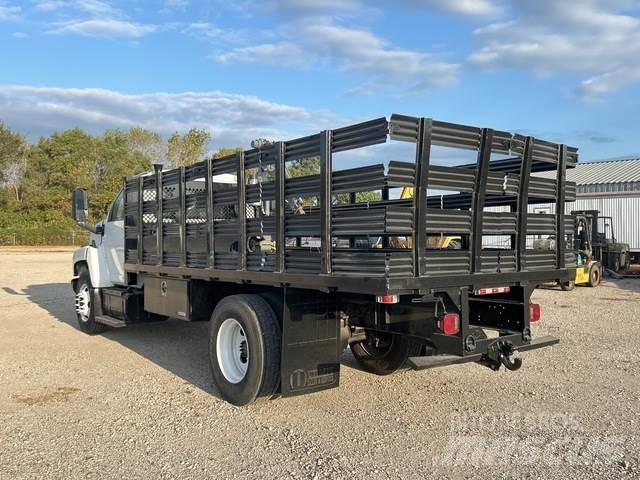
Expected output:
(139, 403)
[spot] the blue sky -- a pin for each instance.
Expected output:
(564, 71)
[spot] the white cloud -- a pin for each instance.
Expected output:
(600, 85)
(8, 11)
(92, 18)
(97, 8)
(107, 28)
(463, 7)
(232, 119)
(321, 42)
(589, 37)
(316, 6)
(176, 3)
(359, 7)
(213, 33)
(49, 5)
(286, 54)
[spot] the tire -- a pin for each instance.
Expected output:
(244, 349)
(384, 354)
(568, 285)
(85, 307)
(616, 263)
(595, 276)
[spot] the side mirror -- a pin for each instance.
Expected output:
(80, 210)
(79, 206)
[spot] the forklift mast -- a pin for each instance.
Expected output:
(604, 246)
(598, 238)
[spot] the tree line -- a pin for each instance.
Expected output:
(36, 179)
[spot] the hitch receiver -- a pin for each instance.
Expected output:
(491, 359)
(498, 354)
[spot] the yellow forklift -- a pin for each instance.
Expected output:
(438, 242)
(588, 269)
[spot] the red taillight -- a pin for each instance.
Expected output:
(449, 323)
(387, 299)
(534, 312)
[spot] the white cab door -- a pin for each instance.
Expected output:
(113, 241)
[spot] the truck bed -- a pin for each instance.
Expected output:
(185, 222)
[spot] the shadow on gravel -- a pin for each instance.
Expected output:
(175, 345)
(55, 298)
(631, 285)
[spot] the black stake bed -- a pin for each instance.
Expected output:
(241, 219)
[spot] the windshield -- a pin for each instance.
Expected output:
(117, 208)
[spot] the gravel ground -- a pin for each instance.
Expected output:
(139, 402)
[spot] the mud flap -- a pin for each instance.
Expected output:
(310, 342)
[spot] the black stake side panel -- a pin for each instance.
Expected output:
(523, 202)
(479, 194)
(210, 232)
(279, 201)
(242, 212)
(560, 217)
(235, 218)
(159, 216)
(421, 184)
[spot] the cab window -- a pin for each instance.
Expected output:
(117, 209)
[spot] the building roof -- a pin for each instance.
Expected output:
(597, 176)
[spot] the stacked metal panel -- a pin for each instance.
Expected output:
(243, 212)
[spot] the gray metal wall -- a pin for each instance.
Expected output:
(625, 212)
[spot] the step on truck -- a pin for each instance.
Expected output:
(291, 269)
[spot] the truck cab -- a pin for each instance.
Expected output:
(103, 258)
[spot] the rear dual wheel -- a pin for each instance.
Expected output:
(244, 349)
(384, 353)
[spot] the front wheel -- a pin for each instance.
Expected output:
(244, 349)
(85, 308)
(384, 353)
(594, 276)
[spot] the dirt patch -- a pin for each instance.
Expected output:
(60, 394)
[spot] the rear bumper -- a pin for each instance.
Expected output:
(421, 363)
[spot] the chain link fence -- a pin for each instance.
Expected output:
(44, 237)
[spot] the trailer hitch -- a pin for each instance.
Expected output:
(498, 354)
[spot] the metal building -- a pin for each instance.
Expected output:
(613, 188)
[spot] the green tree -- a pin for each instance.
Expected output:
(149, 144)
(303, 167)
(58, 164)
(115, 160)
(187, 149)
(311, 166)
(13, 156)
(226, 151)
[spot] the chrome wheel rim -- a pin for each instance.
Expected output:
(83, 303)
(232, 350)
